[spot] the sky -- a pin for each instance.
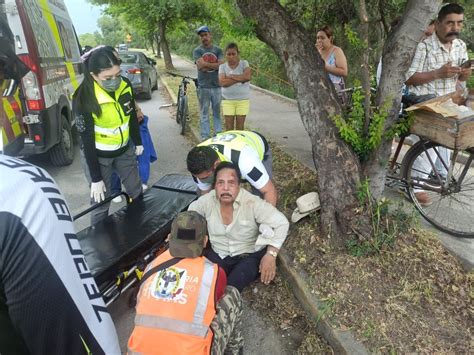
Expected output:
(84, 15)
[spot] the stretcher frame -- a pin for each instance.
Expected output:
(129, 268)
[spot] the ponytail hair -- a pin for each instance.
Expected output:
(100, 59)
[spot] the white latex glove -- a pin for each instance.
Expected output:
(98, 191)
(139, 150)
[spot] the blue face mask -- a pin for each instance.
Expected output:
(111, 84)
(208, 180)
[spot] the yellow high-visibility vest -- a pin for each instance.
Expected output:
(112, 126)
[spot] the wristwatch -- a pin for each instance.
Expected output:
(272, 253)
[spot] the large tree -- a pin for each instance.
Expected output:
(340, 172)
(155, 18)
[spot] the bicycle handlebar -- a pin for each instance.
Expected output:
(182, 76)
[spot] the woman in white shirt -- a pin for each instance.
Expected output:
(234, 77)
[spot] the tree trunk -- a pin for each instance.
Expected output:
(397, 56)
(336, 164)
(152, 43)
(364, 19)
(339, 171)
(164, 45)
(158, 47)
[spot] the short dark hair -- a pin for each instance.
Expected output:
(227, 165)
(232, 45)
(449, 9)
(201, 158)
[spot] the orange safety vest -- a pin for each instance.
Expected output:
(175, 308)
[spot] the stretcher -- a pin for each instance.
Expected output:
(118, 248)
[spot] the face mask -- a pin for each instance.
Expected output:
(111, 84)
(208, 180)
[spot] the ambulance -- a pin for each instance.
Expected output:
(45, 40)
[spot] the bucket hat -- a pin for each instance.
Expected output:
(305, 205)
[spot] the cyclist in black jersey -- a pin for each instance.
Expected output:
(49, 301)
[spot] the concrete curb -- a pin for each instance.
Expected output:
(170, 92)
(274, 94)
(342, 341)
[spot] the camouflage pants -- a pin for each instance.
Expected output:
(227, 324)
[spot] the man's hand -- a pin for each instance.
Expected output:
(267, 268)
(202, 65)
(447, 71)
(465, 74)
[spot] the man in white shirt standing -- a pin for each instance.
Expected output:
(436, 67)
(245, 232)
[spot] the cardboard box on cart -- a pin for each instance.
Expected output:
(439, 120)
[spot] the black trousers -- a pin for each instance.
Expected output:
(241, 270)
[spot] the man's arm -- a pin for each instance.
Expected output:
(206, 66)
(273, 232)
(270, 193)
(198, 206)
(465, 74)
(444, 72)
(267, 266)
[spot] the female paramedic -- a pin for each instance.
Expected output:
(106, 120)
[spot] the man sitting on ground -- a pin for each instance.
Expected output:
(247, 150)
(184, 306)
(245, 231)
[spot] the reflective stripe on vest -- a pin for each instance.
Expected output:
(196, 327)
(111, 128)
(12, 109)
(229, 144)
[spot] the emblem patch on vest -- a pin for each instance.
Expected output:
(169, 284)
(224, 137)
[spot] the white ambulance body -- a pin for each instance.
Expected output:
(46, 41)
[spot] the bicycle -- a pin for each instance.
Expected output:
(182, 109)
(439, 165)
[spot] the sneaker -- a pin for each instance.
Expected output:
(423, 198)
(144, 187)
(117, 199)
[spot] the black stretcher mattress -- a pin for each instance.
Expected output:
(117, 242)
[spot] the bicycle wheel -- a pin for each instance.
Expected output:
(185, 112)
(448, 205)
(178, 105)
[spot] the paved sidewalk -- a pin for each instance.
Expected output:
(278, 119)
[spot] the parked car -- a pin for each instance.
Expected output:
(122, 47)
(47, 43)
(141, 71)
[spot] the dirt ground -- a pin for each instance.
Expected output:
(276, 304)
(411, 297)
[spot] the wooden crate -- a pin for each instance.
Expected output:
(451, 132)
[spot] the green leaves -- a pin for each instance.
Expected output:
(351, 127)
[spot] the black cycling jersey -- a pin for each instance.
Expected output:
(49, 301)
